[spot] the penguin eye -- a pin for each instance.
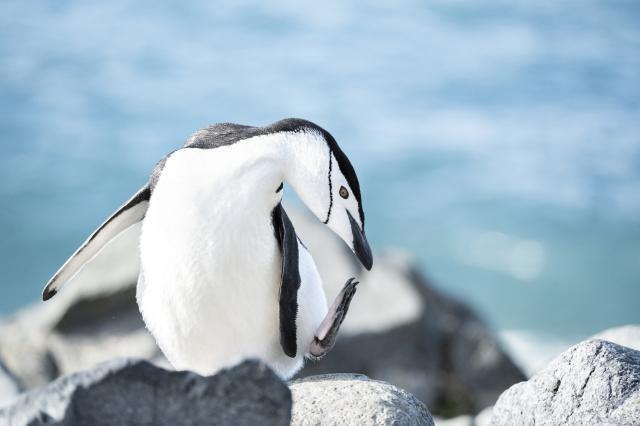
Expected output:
(344, 193)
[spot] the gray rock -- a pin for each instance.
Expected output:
(10, 388)
(349, 399)
(593, 383)
(134, 392)
(626, 335)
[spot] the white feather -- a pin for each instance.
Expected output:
(210, 264)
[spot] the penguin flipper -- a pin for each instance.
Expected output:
(128, 214)
(328, 331)
(290, 280)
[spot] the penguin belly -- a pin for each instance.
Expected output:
(210, 275)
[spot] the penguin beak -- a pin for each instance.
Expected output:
(360, 245)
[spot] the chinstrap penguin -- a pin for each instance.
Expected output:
(223, 274)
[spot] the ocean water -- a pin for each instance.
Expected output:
(497, 141)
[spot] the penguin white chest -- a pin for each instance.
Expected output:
(210, 264)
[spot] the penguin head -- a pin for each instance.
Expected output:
(345, 215)
(326, 182)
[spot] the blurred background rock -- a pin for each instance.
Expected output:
(498, 144)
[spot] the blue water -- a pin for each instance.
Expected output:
(497, 141)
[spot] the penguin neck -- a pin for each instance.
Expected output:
(306, 161)
(250, 171)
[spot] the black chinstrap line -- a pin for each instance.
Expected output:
(330, 190)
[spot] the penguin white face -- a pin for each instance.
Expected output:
(345, 215)
(326, 182)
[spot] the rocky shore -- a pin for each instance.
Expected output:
(594, 382)
(135, 392)
(406, 351)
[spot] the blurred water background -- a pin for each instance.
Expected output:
(498, 141)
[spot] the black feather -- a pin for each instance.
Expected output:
(290, 279)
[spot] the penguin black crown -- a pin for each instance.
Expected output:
(223, 275)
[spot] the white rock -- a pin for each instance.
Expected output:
(349, 399)
(593, 383)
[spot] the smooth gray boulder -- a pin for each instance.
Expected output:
(352, 399)
(593, 383)
(134, 392)
(10, 388)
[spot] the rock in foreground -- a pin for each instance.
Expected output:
(351, 399)
(134, 392)
(595, 382)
